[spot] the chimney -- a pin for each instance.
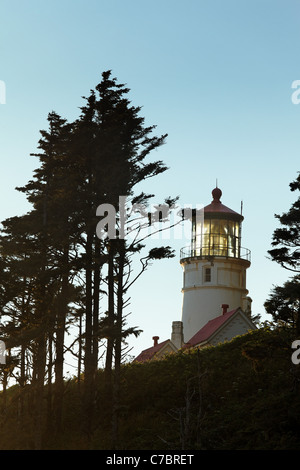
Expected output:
(177, 334)
(155, 339)
(224, 308)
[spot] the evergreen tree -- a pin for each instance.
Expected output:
(113, 144)
(52, 258)
(287, 237)
(284, 303)
(52, 229)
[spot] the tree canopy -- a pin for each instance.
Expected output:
(57, 275)
(284, 301)
(286, 238)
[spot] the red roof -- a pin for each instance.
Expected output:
(211, 327)
(149, 353)
(216, 207)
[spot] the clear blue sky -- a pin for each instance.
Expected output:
(215, 75)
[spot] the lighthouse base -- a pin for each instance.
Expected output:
(209, 285)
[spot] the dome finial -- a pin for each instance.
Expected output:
(216, 194)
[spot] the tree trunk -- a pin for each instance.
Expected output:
(88, 359)
(49, 385)
(22, 383)
(111, 321)
(96, 302)
(118, 347)
(79, 354)
(39, 391)
(60, 338)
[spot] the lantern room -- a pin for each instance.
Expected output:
(217, 234)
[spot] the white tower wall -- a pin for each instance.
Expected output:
(206, 286)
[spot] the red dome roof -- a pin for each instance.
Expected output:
(217, 209)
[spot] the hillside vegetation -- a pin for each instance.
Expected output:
(243, 394)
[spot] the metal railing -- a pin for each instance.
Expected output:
(215, 251)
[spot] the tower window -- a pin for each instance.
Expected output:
(207, 274)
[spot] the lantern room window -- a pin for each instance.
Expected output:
(216, 237)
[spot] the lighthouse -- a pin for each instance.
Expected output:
(215, 305)
(214, 267)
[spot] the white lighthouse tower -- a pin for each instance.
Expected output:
(214, 267)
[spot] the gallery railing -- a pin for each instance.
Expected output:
(221, 251)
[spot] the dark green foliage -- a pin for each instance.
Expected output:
(240, 395)
(286, 239)
(284, 303)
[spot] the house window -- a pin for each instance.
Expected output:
(207, 274)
